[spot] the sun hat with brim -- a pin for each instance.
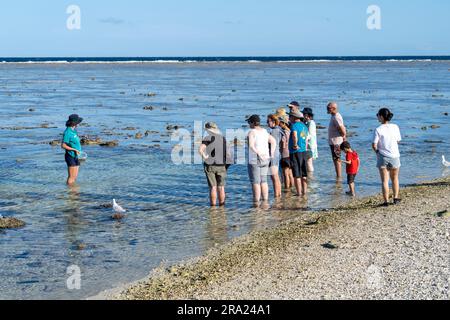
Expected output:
(284, 119)
(297, 115)
(212, 127)
(74, 119)
(281, 112)
(254, 119)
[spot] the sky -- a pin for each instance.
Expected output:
(171, 28)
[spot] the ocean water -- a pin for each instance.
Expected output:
(168, 216)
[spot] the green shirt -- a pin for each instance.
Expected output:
(72, 140)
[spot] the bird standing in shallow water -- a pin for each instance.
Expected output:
(118, 211)
(117, 208)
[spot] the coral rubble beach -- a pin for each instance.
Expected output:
(357, 251)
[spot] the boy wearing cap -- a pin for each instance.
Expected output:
(298, 146)
(214, 153)
(71, 143)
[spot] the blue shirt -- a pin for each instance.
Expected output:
(302, 136)
(72, 139)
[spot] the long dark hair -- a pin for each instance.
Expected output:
(386, 114)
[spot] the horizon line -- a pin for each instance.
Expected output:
(226, 56)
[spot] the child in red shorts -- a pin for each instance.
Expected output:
(352, 161)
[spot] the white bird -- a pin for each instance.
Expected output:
(117, 208)
(445, 163)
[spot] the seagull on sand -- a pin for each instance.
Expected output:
(445, 163)
(117, 208)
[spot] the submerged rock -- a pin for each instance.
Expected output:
(171, 127)
(138, 135)
(435, 126)
(150, 94)
(113, 143)
(117, 216)
(106, 206)
(85, 140)
(11, 223)
(149, 132)
(55, 143)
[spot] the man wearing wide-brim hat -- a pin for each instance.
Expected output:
(214, 153)
(298, 146)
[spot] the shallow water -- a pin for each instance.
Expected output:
(168, 218)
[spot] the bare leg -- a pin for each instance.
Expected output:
(265, 191)
(73, 175)
(256, 193)
(310, 165)
(384, 174)
(286, 178)
(213, 196)
(276, 181)
(305, 186)
(298, 186)
(352, 188)
(395, 182)
(337, 166)
(291, 179)
(222, 196)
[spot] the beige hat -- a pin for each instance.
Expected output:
(296, 114)
(281, 112)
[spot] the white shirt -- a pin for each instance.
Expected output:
(261, 145)
(386, 137)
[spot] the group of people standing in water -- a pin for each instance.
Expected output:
(286, 153)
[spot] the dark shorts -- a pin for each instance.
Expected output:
(299, 164)
(351, 178)
(216, 175)
(335, 151)
(71, 161)
(285, 163)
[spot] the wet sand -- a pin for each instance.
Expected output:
(357, 251)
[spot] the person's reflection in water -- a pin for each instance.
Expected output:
(336, 195)
(73, 215)
(217, 227)
(260, 215)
